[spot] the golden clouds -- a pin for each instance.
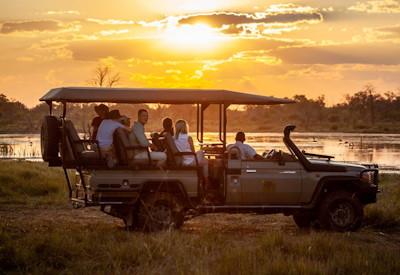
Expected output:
(30, 26)
(377, 6)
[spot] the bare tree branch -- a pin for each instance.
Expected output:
(103, 77)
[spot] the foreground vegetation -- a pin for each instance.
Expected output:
(39, 234)
(364, 111)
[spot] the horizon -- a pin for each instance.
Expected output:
(275, 48)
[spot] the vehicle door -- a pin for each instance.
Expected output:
(270, 182)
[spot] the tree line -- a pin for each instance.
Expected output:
(364, 111)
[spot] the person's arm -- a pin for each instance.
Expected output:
(140, 136)
(128, 129)
(191, 144)
(252, 153)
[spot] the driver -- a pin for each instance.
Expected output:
(247, 152)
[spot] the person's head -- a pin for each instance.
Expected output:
(126, 121)
(181, 127)
(143, 116)
(101, 110)
(114, 115)
(167, 125)
(240, 136)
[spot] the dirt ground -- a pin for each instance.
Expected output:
(238, 223)
(246, 225)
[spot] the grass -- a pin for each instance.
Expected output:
(385, 215)
(107, 250)
(23, 182)
(82, 244)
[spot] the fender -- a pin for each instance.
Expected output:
(174, 186)
(330, 183)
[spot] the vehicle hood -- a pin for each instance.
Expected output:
(349, 166)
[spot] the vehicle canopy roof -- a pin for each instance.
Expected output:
(157, 95)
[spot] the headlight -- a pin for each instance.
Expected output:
(368, 177)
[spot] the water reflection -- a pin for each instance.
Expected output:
(383, 149)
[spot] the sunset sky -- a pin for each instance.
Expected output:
(278, 48)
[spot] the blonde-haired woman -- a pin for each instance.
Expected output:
(184, 143)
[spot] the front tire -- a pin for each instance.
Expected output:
(341, 211)
(159, 211)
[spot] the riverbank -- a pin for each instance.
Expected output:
(41, 233)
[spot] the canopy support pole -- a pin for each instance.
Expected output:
(226, 106)
(64, 113)
(50, 104)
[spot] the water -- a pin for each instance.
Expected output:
(382, 149)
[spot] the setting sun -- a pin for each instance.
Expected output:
(199, 37)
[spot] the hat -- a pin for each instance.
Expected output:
(124, 118)
(114, 114)
(101, 107)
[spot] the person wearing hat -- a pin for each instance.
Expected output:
(105, 135)
(102, 112)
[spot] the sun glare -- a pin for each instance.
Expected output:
(199, 37)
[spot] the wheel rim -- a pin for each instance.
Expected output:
(162, 215)
(342, 214)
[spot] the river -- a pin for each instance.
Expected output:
(382, 149)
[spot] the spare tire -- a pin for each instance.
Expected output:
(49, 138)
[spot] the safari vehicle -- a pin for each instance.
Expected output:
(310, 187)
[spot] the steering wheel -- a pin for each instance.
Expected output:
(271, 154)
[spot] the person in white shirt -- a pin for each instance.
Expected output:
(184, 143)
(105, 136)
(246, 151)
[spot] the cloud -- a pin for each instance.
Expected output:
(30, 26)
(274, 20)
(111, 21)
(363, 53)
(70, 12)
(377, 6)
(390, 33)
(218, 20)
(154, 49)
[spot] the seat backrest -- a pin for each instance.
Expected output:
(121, 141)
(73, 136)
(170, 145)
(234, 158)
(67, 154)
(234, 153)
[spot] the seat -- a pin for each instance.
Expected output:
(234, 153)
(76, 152)
(174, 157)
(125, 151)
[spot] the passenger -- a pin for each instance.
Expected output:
(102, 112)
(168, 126)
(158, 139)
(184, 143)
(126, 121)
(247, 152)
(105, 136)
(138, 137)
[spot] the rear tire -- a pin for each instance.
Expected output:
(341, 211)
(159, 211)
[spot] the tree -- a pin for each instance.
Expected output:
(104, 77)
(363, 102)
